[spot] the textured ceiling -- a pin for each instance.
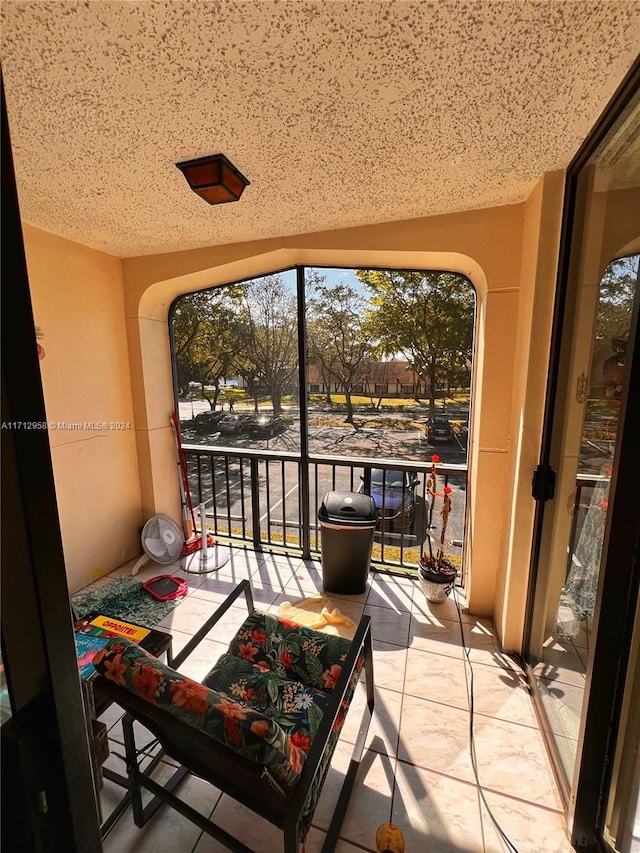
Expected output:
(339, 113)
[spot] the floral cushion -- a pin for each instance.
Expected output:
(295, 652)
(318, 782)
(240, 727)
(296, 707)
(280, 651)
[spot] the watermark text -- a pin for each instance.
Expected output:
(78, 426)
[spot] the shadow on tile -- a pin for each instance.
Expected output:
(435, 812)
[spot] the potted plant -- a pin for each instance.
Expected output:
(437, 574)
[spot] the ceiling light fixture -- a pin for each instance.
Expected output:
(214, 178)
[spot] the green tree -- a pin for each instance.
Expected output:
(425, 316)
(268, 352)
(615, 308)
(205, 335)
(185, 324)
(336, 337)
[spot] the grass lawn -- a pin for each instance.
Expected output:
(392, 554)
(389, 402)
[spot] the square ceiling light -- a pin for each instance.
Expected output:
(214, 178)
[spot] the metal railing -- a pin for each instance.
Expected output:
(271, 500)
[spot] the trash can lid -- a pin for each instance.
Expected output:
(348, 507)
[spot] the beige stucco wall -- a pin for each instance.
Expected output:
(540, 245)
(78, 301)
(509, 253)
(106, 338)
(621, 225)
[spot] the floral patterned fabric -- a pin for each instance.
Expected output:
(298, 653)
(239, 727)
(295, 707)
(318, 782)
(264, 699)
(282, 651)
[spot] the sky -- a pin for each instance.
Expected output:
(335, 276)
(338, 276)
(332, 275)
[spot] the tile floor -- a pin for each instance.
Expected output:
(416, 771)
(561, 677)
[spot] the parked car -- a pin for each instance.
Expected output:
(266, 425)
(207, 421)
(439, 429)
(394, 495)
(230, 424)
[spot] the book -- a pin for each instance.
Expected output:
(91, 635)
(108, 626)
(118, 628)
(87, 646)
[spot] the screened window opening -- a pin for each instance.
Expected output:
(297, 383)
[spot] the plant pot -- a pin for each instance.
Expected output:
(437, 578)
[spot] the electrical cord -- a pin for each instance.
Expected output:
(472, 747)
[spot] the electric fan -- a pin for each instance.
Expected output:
(162, 541)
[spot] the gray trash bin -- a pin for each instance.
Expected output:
(347, 522)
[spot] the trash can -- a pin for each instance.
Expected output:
(347, 522)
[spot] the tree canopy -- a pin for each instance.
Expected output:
(206, 339)
(250, 330)
(337, 339)
(268, 355)
(425, 316)
(616, 295)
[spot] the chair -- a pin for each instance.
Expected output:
(262, 726)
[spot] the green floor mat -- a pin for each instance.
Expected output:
(124, 598)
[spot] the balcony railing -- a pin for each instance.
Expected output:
(271, 500)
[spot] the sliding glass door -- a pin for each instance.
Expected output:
(584, 595)
(564, 635)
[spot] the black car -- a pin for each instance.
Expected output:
(266, 425)
(231, 424)
(439, 429)
(207, 421)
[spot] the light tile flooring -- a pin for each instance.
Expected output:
(561, 676)
(416, 771)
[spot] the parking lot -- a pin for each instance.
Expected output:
(227, 484)
(387, 441)
(329, 436)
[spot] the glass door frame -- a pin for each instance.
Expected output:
(586, 799)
